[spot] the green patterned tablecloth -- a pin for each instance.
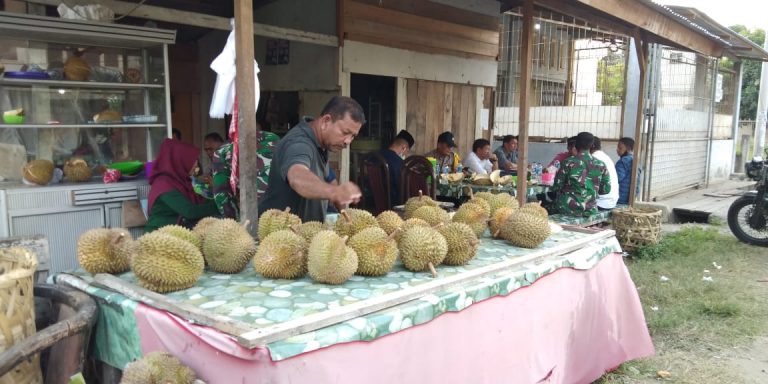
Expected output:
(461, 190)
(250, 298)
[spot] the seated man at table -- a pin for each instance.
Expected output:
(570, 151)
(481, 160)
(606, 201)
(394, 155)
(507, 153)
(444, 153)
(580, 180)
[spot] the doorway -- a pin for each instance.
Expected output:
(376, 94)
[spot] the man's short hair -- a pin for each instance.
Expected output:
(596, 144)
(213, 136)
(508, 138)
(479, 143)
(176, 134)
(628, 142)
(584, 141)
(571, 142)
(339, 106)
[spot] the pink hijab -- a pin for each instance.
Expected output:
(170, 171)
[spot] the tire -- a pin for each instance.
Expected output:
(738, 214)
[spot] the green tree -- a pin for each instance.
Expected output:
(750, 83)
(610, 78)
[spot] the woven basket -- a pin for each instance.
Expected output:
(17, 310)
(636, 226)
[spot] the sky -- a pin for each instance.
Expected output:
(729, 12)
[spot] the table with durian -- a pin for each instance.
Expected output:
(252, 309)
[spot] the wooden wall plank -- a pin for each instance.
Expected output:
(448, 107)
(411, 46)
(421, 117)
(360, 27)
(439, 12)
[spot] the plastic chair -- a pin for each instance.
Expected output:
(417, 175)
(376, 170)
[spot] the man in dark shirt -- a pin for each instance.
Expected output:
(299, 169)
(394, 156)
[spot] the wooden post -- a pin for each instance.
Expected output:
(642, 59)
(526, 67)
(246, 111)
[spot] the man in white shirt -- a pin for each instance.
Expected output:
(609, 200)
(481, 160)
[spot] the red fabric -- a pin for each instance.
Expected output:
(234, 176)
(170, 171)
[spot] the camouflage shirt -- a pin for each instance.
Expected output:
(578, 182)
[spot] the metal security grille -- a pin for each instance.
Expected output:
(680, 102)
(578, 78)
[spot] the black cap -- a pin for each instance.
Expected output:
(406, 136)
(446, 137)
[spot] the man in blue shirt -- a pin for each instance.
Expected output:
(394, 155)
(624, 169)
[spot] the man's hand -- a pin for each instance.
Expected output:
(345, 194)
(511, 165)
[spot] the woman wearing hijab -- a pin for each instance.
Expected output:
(172, 199)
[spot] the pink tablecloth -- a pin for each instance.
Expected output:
(568, 327)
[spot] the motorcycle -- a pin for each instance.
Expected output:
(748, 215)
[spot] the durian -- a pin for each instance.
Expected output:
(308, 230)
(410, 223)
(432, 215)
(482, 203)
(329, 259)
(228, 246)
(100, 250)
(77, 170)
(376, 251)
(281, 255)
(414, 203)
(499, 219)
(422, 249)
(164, 263)
(535, 209)
(352, 221)
(38, 171)
(157, 368)
(462, 243)
(182, 233)
(524, 229)
(274, 220)
(389, 221)
(473, 215)
(501, 200)
(201, 228)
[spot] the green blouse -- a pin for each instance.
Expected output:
(171, 205)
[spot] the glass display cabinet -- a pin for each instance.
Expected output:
(77, 89)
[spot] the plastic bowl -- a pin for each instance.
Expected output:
(127, 168)
(14, 119)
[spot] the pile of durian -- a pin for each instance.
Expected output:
(173, 258)
(158, 368)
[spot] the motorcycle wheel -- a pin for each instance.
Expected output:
(749, 229)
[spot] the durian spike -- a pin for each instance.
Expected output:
(344, 239)
(287, 210)
(421, 194)
(248, 222)
(496, 234)
(432, 269)
(345, 215)
(117, 239)
(295, 228)
(438, 225)
(394, 234)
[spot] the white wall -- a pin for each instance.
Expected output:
(721, 160)
(602, 121)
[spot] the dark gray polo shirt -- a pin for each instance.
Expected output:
(298, 146)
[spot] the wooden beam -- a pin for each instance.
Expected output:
(246, 113)
(526, 74)
(168, 15)
(641, 48)
(437, 11)
(658, 23)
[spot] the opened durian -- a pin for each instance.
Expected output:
(499, 219)
(474, 215)
(432, 215)
(389, 221)
(281, 255)
(422, 249)
(164, 263)
(462, 243)
(228, 246)
(525, 229)
(274, 220)
(352, 221)
(416, 202)
(103, 250)
(376, 251)
(157, 368)
(329, 259)
(183, 233)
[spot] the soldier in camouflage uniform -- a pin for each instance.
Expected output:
(580, 180)
(226, 200)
